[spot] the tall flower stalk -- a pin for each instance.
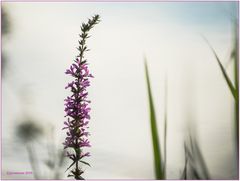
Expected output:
(77, 105)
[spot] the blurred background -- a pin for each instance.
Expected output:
(39, 43)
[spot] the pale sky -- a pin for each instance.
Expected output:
(42, 45)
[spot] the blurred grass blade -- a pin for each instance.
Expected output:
(195, 166)
(199, 156)
(154, 131)
(165, 129)
(235, 57)
(227, 79)
(184, 173)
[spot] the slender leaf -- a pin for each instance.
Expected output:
(198, 155)
(194, 161)
(153, 122)
(184, 173)
(235, 57)
(227, 79)
(86, 163)
(70, 165)
(165, 129)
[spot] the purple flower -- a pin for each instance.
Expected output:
(77, 105)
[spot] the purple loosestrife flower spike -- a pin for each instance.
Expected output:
(77, 105)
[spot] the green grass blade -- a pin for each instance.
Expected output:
(227, 79)
(235, 57)
(235, 54)
(154, 131)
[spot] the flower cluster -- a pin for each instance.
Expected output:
(77, 105)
